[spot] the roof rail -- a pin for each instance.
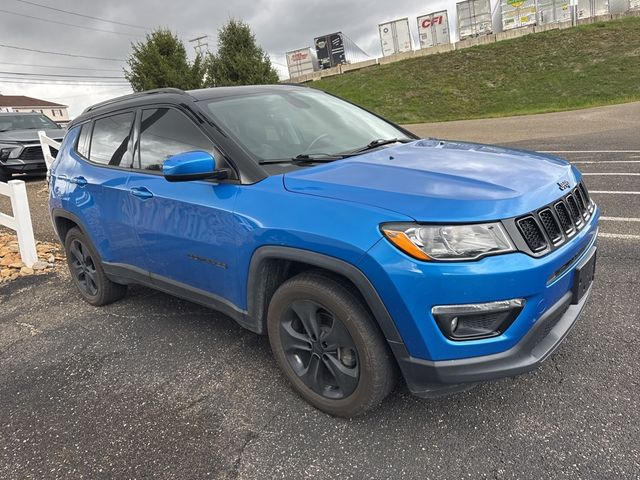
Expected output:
(135, 95)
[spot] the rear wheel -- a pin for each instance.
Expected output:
(87, 272)
(327, 345)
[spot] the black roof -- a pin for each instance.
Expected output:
(177, 95)
(219, 92)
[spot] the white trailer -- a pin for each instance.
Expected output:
(592, 8)
(433, 29)
(301, 62)
(517, 13)
(551, 11)
(474, 18)
(395, 37)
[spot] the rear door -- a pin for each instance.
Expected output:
(98, 192)
(187, 230)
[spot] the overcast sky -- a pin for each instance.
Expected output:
(279, 26)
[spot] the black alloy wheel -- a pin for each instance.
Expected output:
(83, 267)
(87, 272)
(327, 344)
(320, 349)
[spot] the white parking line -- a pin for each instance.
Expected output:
(614, 192)
(620, 219)
(610, 174)
(605, 161)
(619, 235)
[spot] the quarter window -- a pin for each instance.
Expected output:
(110, 140)
(83, 140)
(165, 132)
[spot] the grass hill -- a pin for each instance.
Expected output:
(580, 67)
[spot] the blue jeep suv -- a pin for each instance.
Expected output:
(364, 253)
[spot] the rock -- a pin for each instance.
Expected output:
(51, 259)
(26, 271)
(5, 273)
(6, 261)
(17, 265)
(39, 265)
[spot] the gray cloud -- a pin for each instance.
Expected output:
(279, 26)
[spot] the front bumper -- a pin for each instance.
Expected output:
(23, 166)
(428, 379)
(434, 364)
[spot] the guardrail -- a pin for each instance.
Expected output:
(45, 143)
(16, 190)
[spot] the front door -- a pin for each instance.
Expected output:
(186, 229)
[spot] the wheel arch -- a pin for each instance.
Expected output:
(271, 265)
(64, 221)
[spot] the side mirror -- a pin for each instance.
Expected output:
(197, 165)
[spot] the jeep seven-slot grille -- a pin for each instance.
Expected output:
(547, 227)
(532, 233)
(550, 225)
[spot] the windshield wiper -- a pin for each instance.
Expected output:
(379, 142)
(305, 158)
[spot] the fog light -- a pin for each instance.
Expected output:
(477, 320)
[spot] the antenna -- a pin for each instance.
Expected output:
(198, 47)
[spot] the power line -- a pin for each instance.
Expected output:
(70, 24)
(61, 67)
(57, 75)
(66, 83)
(81, 15)
(63, 54)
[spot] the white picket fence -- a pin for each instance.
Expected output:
(45, 143)
(16, 190)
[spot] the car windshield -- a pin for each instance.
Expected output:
(25, 122)
(282, 125)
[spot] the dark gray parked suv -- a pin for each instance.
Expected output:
(20, 150)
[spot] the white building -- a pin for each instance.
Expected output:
(19, 103)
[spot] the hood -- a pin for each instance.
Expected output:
(30, 136)
(440, 181)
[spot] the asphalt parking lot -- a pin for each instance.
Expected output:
(156, 387)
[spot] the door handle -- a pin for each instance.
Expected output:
(141, 192)
(80, 181)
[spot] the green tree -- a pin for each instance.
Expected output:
(161, 61)
(239, 60)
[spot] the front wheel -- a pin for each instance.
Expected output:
(328, 346)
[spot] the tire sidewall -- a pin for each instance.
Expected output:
(75, 234)
(353, 317)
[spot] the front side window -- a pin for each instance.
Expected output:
(110, 140)
(280, 125)
(165, 132)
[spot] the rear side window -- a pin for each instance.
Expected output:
(165, 132)
(83, 140)
(110, 141)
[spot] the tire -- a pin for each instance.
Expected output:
(343, 368)
(4, 176)
(87, 272)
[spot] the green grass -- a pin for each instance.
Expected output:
(590, 65)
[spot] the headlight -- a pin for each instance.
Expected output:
(449, 242)
(9, 151)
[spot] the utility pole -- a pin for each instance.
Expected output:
(200, 45)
